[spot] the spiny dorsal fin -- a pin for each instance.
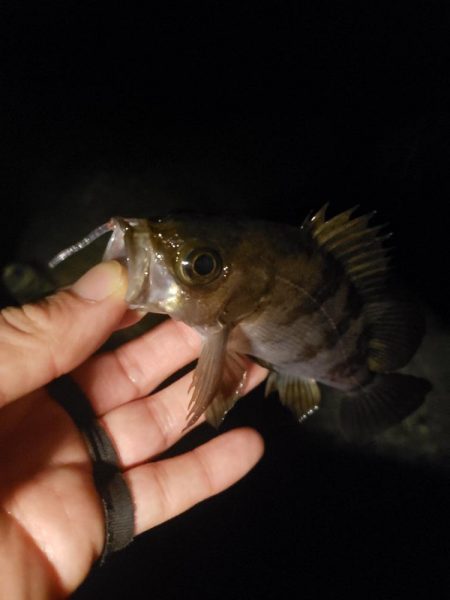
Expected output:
(355, 245)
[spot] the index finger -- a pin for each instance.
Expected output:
(138, 367)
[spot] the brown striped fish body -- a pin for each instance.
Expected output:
(310, 303)
(321, 335)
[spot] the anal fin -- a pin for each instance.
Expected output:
(385, 402)
(301, 396)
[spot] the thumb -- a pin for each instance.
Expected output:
(39, 342)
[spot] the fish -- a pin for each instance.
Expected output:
(311, 303)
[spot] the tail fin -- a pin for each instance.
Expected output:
(385, 402)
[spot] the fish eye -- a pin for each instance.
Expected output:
(201, 266)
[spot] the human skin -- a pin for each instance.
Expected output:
(51, 516)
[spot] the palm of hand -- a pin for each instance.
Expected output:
(47, 490)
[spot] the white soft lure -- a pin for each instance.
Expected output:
(86, 241)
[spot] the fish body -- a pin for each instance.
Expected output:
(310, 303)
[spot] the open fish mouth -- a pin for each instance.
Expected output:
(150, 285)
(130, 244)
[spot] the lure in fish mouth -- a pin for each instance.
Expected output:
(310, 303)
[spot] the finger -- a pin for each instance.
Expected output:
(130, 318)
(164, 489)
(148, 426)
(136, 368)
(39, 342)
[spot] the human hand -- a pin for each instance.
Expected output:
(52, 526)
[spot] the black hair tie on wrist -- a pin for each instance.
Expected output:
(116, 498)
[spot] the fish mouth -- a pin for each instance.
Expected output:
(134, 242)
(150, 285)
(130, 244)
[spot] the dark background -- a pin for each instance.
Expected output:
(266, 111)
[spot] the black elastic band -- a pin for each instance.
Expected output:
(116, 498)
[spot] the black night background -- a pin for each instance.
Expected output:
(268, 111)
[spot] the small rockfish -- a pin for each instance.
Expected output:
(310, 303)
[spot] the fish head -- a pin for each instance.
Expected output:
(206, 272)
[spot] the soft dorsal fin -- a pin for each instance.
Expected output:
(355, 245)
(395, 325)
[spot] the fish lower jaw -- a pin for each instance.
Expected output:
(146, 308)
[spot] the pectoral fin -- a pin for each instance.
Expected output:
(217, 381)
(301, 396)
(229, 392)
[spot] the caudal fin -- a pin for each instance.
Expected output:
(385, 402)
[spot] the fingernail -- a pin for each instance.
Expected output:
(102, 281)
